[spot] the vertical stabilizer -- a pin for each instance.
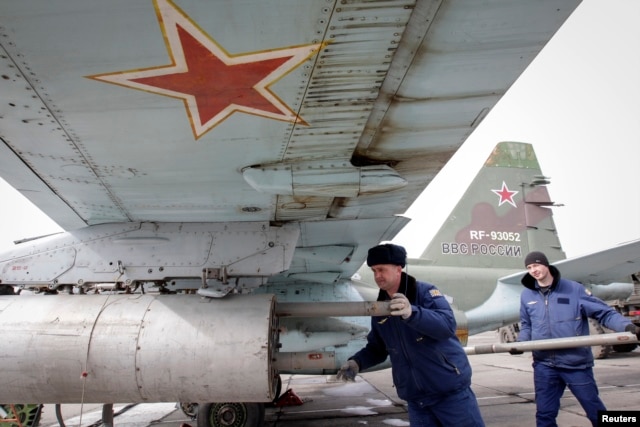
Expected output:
(504, 214)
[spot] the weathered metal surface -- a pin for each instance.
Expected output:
(319, 178)
(238, 256)
(392, 84)
(136, 348)
(400, 83)
(148, 112)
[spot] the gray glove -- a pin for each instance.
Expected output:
(400, 306)
(348, 371)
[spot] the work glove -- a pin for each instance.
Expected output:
(348, 371)
(400, 306)
(633, 329)
(514, 351)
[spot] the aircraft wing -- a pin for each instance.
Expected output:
(332, 114)
(603, 267)
(243, 150)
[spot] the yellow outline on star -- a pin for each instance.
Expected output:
(172, 19)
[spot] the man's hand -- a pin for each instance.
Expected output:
(348, 371)
(400, 306)
(633, 329)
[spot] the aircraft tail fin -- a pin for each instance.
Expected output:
(504, 214)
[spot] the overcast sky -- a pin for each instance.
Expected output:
(578, 104)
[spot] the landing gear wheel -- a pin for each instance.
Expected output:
(230, 414)
(29, 415)
(624, 348)
(599, 351)
(509, 333)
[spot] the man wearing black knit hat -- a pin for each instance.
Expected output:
(553, 307)
(429, 367)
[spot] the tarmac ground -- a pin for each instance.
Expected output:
(502, 383)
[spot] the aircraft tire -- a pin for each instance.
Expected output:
(624, 348)
(508, 334)
(599, 351)
(231, 414)
(29, 415)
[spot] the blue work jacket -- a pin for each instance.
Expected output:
(427, 359)
(563, 311)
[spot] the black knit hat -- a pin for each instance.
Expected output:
(387, 254)
(536, 257)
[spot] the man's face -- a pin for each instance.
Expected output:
(387, 277)
(539, 272)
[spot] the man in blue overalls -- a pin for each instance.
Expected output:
(553, 307)
(429, 367)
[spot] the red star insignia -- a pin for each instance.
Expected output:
(212, 83)
(506, 195)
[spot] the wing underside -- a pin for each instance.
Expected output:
(336, 113)
(223, 148)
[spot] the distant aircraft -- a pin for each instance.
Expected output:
(215, 152)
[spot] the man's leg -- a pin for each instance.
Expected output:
(458, 410)
(549, 387)
(583, 386)
(421, 416)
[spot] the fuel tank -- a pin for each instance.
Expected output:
(137, 348)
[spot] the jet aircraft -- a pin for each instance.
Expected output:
(231, 156)
(477, 256)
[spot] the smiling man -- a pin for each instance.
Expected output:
(553, 307)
